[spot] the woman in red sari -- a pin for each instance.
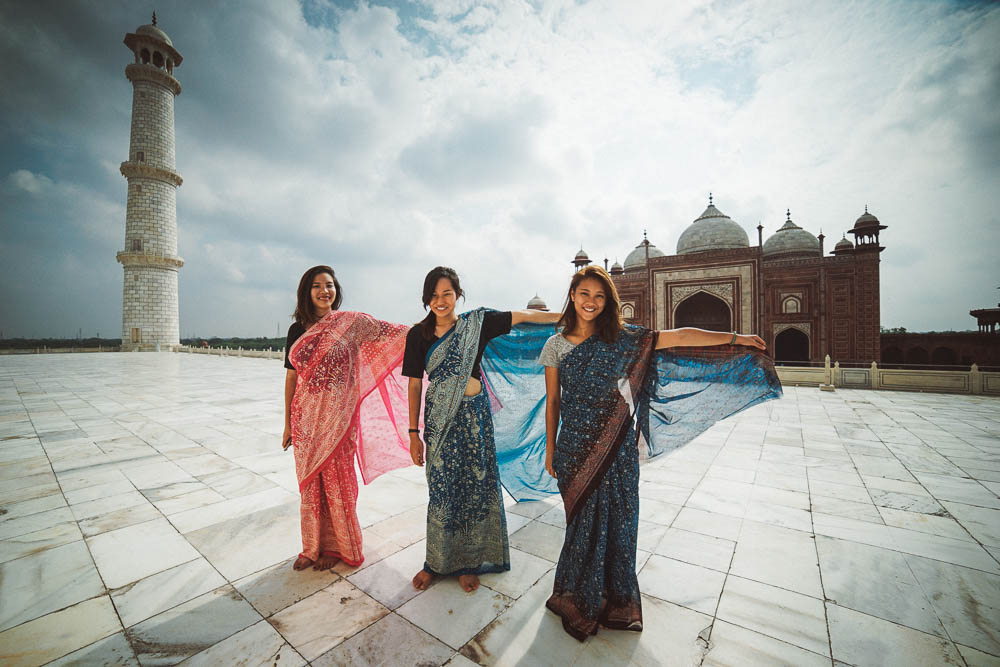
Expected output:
(336, 361)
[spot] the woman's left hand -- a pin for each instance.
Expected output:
(751, 341)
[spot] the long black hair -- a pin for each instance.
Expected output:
(609, 322)
(430, 282)
(305, 311)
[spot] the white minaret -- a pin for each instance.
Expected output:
(149, 296)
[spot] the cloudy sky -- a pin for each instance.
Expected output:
(494, 137)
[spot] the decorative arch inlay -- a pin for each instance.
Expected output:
(679, 293)
(804, 327)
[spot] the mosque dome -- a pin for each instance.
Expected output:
(617, 268)
(791, 239)
(153, 31)
(581, 256)
(712, 230)
(843, 245)
(637, 258)
(536, 303)
(866, 220)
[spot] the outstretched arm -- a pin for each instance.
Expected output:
(691, 337)
(536, 316)
(551, 415)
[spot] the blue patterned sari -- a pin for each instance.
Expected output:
(611, 394)
(466, 524)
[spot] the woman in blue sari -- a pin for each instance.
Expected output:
(466, 525)
(604, 379)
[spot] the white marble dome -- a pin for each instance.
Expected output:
(536, 303)
(154, 32)
(712, 230)
(791, 239)
(637, 258)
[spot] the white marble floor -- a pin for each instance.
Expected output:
(149, 516)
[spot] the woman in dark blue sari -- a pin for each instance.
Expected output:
(466, 525)
(610, 384)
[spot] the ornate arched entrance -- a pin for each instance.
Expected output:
(791, 345)
(704, 311)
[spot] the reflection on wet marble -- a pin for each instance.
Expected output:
(280, 586)
(114, 650)
(129, 554)
(861, 639)
(261, 539)
(59, 633)
(257, 646)
(410, 646)
(163, 590)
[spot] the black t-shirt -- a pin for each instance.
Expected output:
(495, 323)
(294, 333)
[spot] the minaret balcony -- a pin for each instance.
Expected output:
(131, 169)
(146, 72)
(155, 259)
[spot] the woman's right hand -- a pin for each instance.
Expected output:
(416, 449)
(549, 468)
(286, 438)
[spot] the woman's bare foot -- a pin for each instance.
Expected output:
(422, 580)
(468, 582)
(325, 562)
(301, 563)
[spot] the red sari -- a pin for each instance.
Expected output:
(350, 401)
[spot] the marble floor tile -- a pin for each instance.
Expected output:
(99, 491)
(555, 517)
(25, 493)
(390, 580)
(875, 581)
(453, 616)
(982, 522)
(20, 546)
(191, 627)
(93, 508)
(59, 633)
(407, 527)
(956, 489)
(44, 582)
(857, 494)
(122, 518)
(688, 585)
(391, 641)
(526, 633)
(975, 658)
(708, 523)
(345, 611)
(34, 522)
(173, 490)
(525, 571)
(905, 501)
(959, 552)
(676, 643)
(666, 493)
(117, 553)
(925, 523)
(157, 475)
(696, 549)
(779, 515)
(252, 542)
(777, 556)
(279, 586)
(237, 483)
(532, 508)
(846, 508)
(187, 501)
(207, 515)
(733, 646)
(164, 590)
(33, 506)
(79, 479)
(113, 650)
(259, 645)
(967, 601)
(862, 639)
(539, 539)
(791, 617)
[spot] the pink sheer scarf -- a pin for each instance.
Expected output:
(349, 387)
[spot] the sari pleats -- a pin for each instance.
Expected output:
(329, 510)
(466, 524)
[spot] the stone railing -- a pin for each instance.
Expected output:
(829, 377)
(229, 352)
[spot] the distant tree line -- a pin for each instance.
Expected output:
(31, 343)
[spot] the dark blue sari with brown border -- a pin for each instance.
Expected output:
(619, 401)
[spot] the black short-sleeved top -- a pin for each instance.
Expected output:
(495, 323)
(294, 333)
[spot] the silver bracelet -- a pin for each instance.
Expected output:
(733, 340)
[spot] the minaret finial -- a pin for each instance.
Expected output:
(709, 198)
(154, 18)
(788, 215)
(866, 208)
(644, 238)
